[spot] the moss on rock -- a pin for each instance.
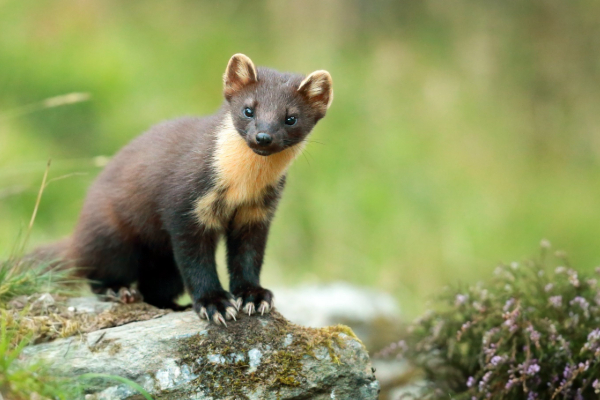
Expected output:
(222, 357)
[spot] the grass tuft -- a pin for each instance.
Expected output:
(119, 379)
(18, 381)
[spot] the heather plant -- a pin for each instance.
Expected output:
(532, 332)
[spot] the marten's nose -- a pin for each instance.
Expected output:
(263, 139)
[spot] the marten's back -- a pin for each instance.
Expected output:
(154, 170)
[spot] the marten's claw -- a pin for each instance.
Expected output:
(216, 307)
(203, 314)
(238, 303)
(231, 313)
(249, 308)
(124, 295)
(218, 319)
(264, 307)
(128, 296)
(255, 300)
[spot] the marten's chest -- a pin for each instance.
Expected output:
(242, 179)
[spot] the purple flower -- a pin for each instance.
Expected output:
(511, 325)
(484, 381)
(593, 341)
(583, 366)
(594, 335)
(555, 301)
(596, 386)
(581, 302)
(497, 360)
(511, 383)
(534, 335)
(470, 381)
(532, 369)
(548, 287)
(461, 299)
(508, 305)
(573, 279)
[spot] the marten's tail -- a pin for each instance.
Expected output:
(51, 256)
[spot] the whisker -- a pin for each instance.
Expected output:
(308, 153)
(306, 158)
(296, 141)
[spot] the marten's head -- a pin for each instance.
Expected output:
(271, 110)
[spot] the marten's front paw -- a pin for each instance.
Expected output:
(216, 307)
(256, 299)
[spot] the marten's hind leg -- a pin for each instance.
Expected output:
(159, 281)
(110, 263)
(123, 294)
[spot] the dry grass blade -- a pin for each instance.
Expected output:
(35, 209)
(51, 102)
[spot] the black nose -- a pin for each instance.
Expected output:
(263, 139)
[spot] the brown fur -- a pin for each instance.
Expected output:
(318, 87)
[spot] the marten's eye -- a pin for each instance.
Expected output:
(248, 112)
(291, 121)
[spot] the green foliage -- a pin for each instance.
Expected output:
(18, 381)
(527, 334)
(25, 278)
(461, 132)
(119, 379)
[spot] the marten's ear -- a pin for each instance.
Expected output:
(317, 88)
(239, 73)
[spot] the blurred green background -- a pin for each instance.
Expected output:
(461, 133)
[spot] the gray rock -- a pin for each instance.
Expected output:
(334, 303)
(178, 356)
(373, 315)
(89, 305)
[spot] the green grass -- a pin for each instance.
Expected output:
(19, 381)
(460, 134)
(119, 379)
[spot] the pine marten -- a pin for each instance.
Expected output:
(156, 212)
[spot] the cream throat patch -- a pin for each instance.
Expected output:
(242, 179)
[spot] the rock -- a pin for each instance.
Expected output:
(90, 305)
(373, 316)
(178, 356)
(323, 305)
